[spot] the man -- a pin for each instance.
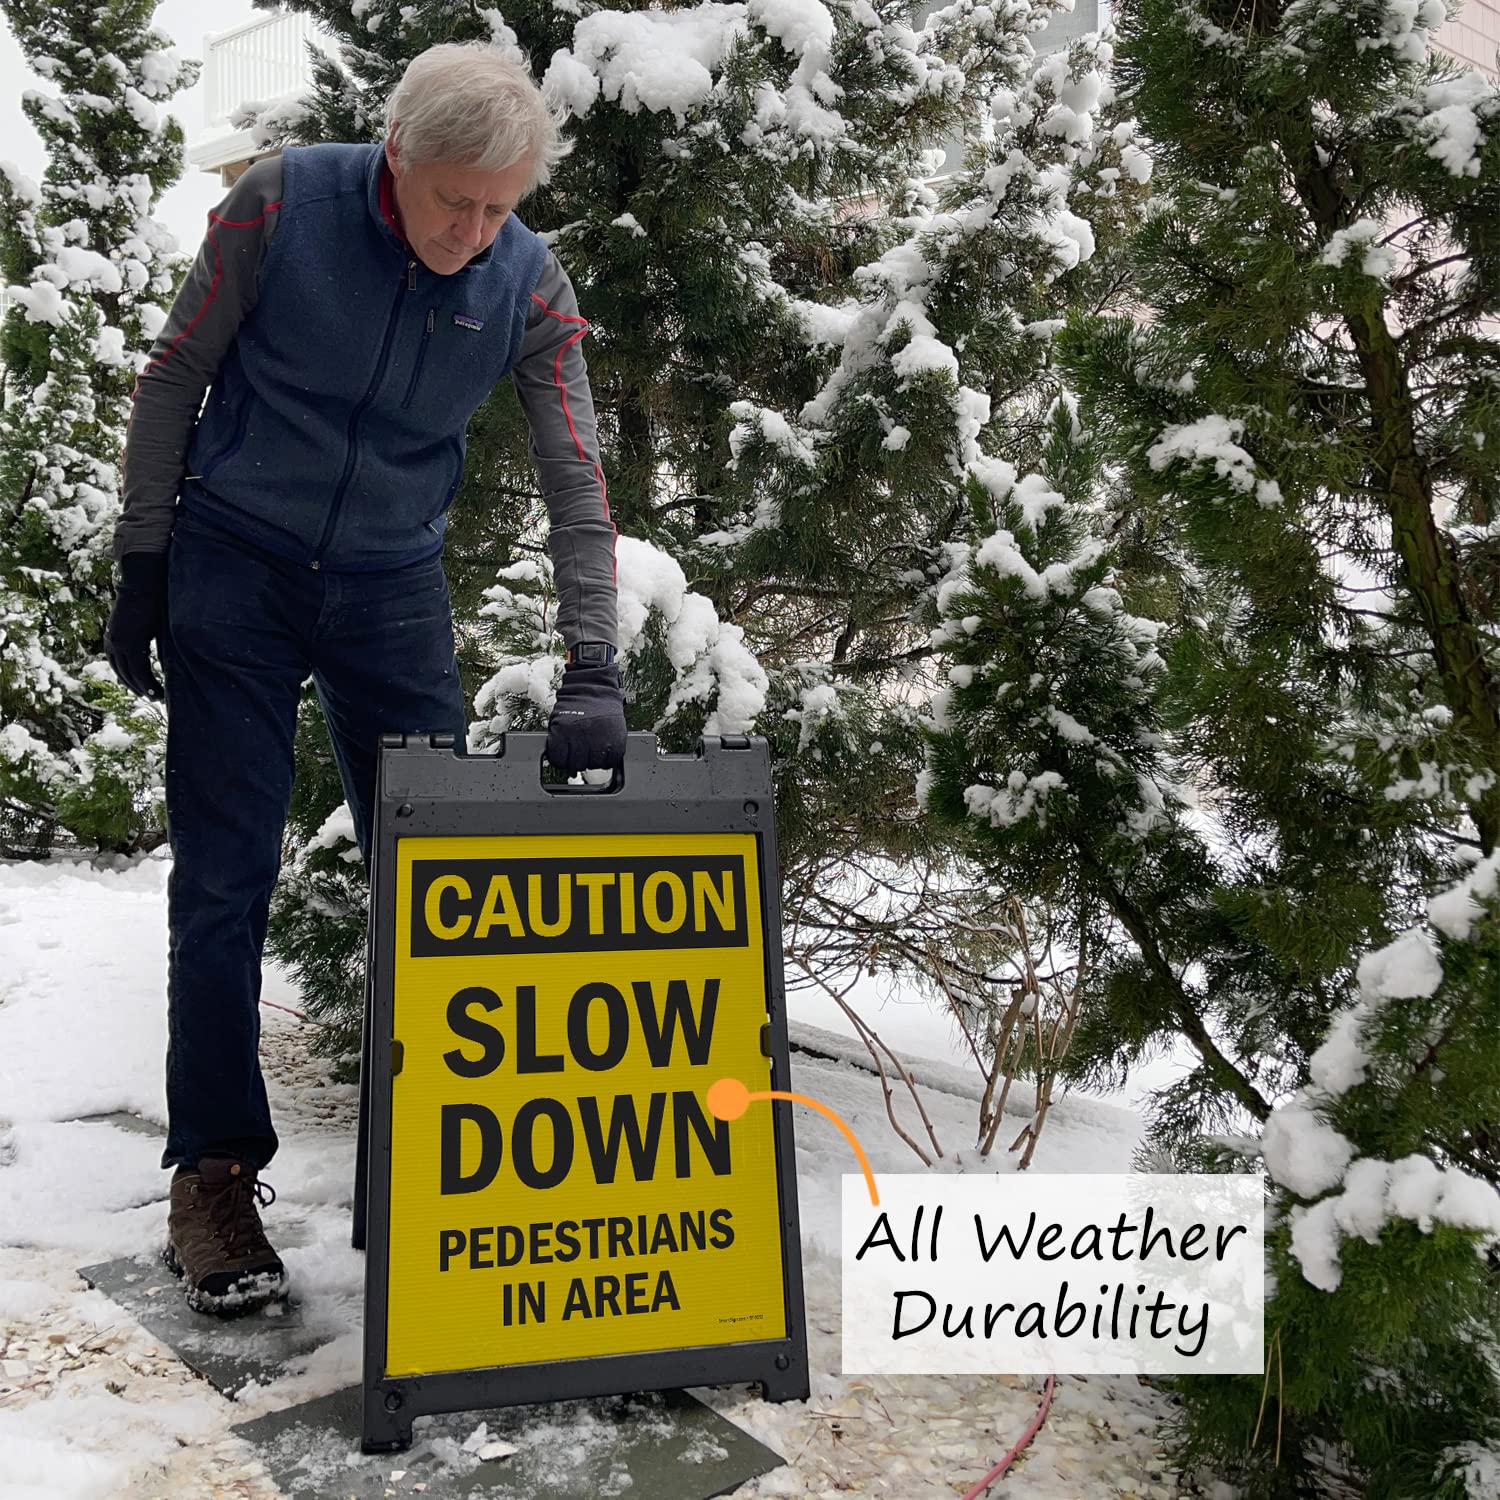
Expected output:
(350, 308)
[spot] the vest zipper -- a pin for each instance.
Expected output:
(385, 356)
(416, 374)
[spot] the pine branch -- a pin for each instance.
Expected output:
(1185, 1013)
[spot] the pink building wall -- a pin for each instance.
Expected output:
(1474, 38)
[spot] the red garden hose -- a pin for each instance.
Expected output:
(1021, 1442)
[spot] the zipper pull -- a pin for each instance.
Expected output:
(431, 314)
(411, 276)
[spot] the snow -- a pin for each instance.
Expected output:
(1036, 499)
(153, 319)
(1340, 1062)
(1017, 799)
(662, 61)
(709, 656)
(903, 288)
(483, 1446)
(999, 552)
(1452, 119)
(269, 121)
(1211, 439)
(1404, 28)
(502, 35)
(762, 421)
(142, 110)
(41, 302)
(51, 106)
(84, 952)
(337, 831)
(159, 69)
(1455, 911)
(1072, 239)
(572, 85)
(80, 267)
(1410, 967)
(1378, 260)
(109, 347)
(1136, 162)
(1403, 970)
(23, 187)
(86, 1447)
(1479, 1465)
(826, 326)
(1302, 1150)
(819, 702)
(799, 25)
(1071, 117)
(923, 352)
(1069, 727)
(1374, 1193)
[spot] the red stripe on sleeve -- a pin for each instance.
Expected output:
(562, 391)
(213, 290)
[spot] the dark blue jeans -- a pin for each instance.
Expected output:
(246, 631)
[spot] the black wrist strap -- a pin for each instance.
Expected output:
(591, 654)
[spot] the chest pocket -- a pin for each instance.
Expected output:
(421, 360)
(455, 367)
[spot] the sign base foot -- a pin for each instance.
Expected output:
(666, 1445)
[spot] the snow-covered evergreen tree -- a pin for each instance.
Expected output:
(1049, 748)
(90, 272)
(852, 505)
(1382, 1315)
(1223, 685)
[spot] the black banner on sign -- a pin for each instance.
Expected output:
(505, 906)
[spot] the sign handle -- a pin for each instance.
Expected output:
(615, 783)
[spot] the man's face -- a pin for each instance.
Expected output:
(451, 213)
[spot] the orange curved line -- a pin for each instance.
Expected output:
(849, 1135)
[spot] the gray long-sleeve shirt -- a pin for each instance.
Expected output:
(550, 378)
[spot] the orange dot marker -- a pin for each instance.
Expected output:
(728, 1099)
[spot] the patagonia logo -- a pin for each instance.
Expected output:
(463, 320)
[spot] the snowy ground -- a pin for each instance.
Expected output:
(92, 1407)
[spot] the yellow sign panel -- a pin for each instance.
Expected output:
(559, 1189)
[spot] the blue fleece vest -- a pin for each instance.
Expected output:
(334, 432)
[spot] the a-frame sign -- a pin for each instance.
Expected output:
(558, 974)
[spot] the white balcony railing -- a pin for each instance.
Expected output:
(262, 59)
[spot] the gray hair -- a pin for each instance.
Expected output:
(475, 105)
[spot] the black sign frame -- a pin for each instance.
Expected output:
(426, 790)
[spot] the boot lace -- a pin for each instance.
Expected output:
(235, 1216)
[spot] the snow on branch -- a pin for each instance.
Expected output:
(1307, 1154)
(1211, 440)
(707, 662)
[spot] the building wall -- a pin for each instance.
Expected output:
(1086, 16)
(1474, 37)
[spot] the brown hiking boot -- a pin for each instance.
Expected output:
(215, 1241)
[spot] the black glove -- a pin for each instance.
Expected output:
(139, 617)
(587, 729)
